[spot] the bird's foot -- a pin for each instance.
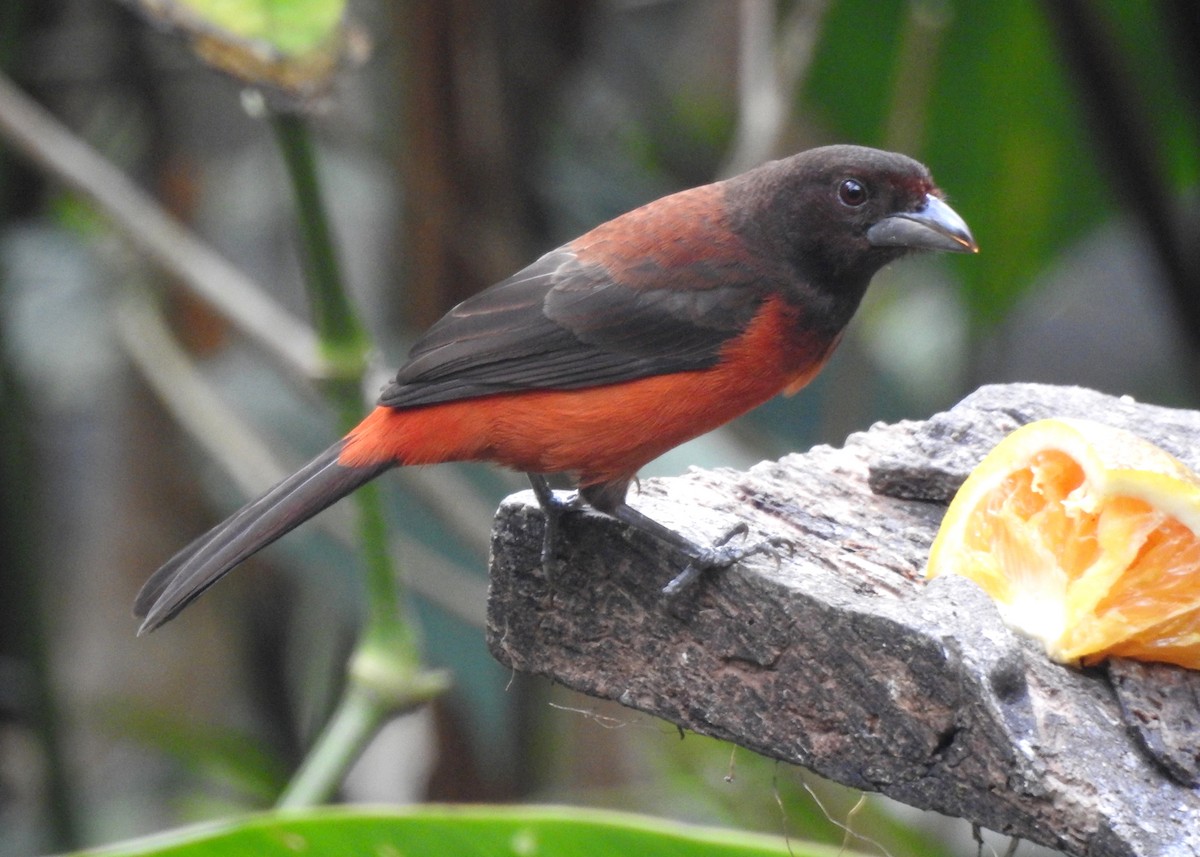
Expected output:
(721, 555)
(701, 558)
(554, 508)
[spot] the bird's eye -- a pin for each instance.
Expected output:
(852, 193)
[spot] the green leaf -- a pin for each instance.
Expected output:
(997, 119)
(1006, 140)
(290, 27)
(289, 46)
(436, 831)
(220, 755)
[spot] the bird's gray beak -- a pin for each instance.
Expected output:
(932, 226)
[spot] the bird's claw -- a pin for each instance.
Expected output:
(553, 508)
(722, 555)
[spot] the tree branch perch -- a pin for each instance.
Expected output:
(840, 658)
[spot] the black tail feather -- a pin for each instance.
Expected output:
(315, 487)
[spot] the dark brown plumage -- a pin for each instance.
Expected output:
(651, 329)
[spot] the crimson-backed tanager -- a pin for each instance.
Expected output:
(649, 330)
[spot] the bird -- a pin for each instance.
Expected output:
(645, 332)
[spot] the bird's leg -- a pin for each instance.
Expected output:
(610, 499)
(553, 508)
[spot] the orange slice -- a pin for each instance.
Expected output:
(1086, 537)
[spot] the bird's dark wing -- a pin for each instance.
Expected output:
(566, 323)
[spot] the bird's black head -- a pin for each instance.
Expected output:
(838, 214)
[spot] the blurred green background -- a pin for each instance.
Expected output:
(459, 140)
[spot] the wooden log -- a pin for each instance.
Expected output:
(838, 656)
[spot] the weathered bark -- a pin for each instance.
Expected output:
(839, 657)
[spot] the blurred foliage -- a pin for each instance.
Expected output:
(243, 768)
(1000, 123)
(1142, 32)
(978, 90)
(290, 45)
(722, 783)
(289, 26)
(436, 831)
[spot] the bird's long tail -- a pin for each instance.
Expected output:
(318, 485)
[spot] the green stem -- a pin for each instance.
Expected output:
(357, 718)
(385, 675)
(375, 693)
(345, 341)
(384, 595)
(343, 338)
(355, 721)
